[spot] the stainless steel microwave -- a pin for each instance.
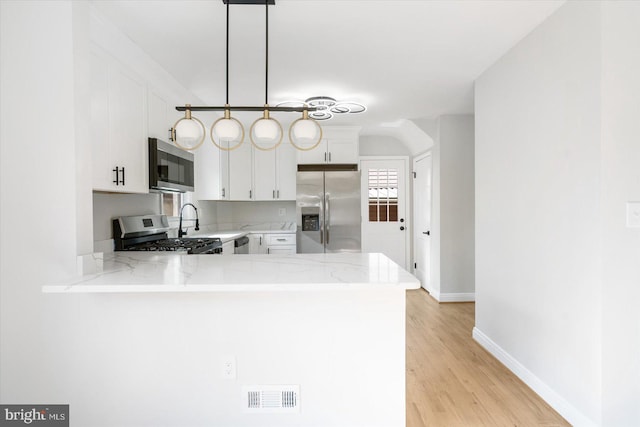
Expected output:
(170, 168)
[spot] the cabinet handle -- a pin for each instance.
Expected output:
(274, 194)
(278, 193)
(329, 156)
(260, 240)
(223, 192)
(118, 181)
(250, 194)
(325, 157)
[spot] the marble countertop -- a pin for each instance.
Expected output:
(139, 272)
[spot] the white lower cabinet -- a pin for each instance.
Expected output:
(257, 243)
(271, 243)
(280, 244)
(228, 248)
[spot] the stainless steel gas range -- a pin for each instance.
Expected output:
(150, 233)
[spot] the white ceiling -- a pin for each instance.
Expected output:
(403, 59)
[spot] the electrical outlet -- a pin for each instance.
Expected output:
(282, 211)
(633, 214)
(228, 367)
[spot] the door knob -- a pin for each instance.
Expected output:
(401, 219)
(402, 228)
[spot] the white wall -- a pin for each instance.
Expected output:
(156, 359)
(538, 210)
(38, 221)
(456, 200)
(620, 150)
(381, 145)
(452, 262)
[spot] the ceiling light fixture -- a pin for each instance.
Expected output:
(265, 133)
(324, 107)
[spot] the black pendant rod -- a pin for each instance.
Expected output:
(227, 54)
(245, 108)
(266, 60)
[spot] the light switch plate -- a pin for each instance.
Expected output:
(282, 211)
(633, 214)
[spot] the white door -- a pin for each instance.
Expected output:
(384, 221)
(422, 219)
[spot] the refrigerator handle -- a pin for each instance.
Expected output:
(327, 213)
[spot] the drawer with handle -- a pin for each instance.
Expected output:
(280, 239)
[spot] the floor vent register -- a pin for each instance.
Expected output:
(271, 398)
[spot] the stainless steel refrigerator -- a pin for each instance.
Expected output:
(328, 209)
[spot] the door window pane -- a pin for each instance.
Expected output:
(383, 195)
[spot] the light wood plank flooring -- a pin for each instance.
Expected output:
(452, 381)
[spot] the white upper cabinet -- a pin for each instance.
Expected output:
(245, 173)
(339, 145)
(118, 127)
(274, 173)
(286, 170)
(240, 176)
(264, 174)
(159, 122)
(211, 172)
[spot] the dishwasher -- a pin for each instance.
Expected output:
(241, 245)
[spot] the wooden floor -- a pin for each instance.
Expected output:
(453, 381)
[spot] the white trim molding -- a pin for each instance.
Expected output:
(457, 297)
(557, 402)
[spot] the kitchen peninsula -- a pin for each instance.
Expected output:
(190, 334)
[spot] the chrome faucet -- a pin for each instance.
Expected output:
(197, 227)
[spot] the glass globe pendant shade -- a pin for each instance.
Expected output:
(266, 133)
(188, 132)
(227, 133)
(305, 133)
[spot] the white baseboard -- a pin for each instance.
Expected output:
(557, 402)
(457, 297)
(433, 293)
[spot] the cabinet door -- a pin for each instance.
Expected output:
(240, 177)
(101, 157)
(208, 172)
(342, 151)
(128, 128)
(158, 116)
(257, 244)
(281, 250)
(228, 248)
(286, 169)
(264, 174)
(224, 193)
(315, 156)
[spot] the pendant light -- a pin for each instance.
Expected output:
(227, 133)
(188, 133)
(266, 132)
(305, 134)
